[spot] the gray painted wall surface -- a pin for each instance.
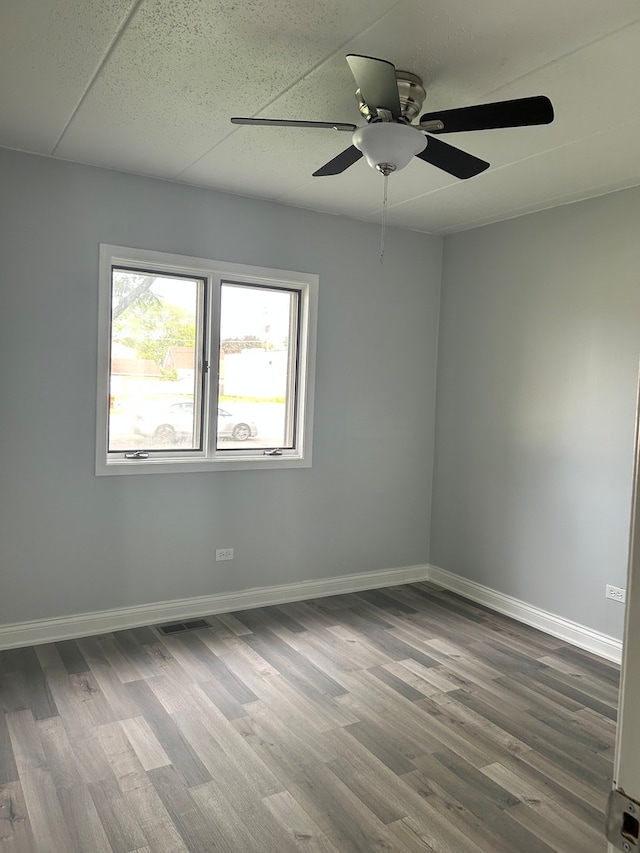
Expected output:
(71, 542)
(538, 365)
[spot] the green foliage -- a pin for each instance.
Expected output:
(143, 322)
(236, 345)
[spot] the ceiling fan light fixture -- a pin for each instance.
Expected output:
(389, 146)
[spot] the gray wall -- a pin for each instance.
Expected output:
(538, 365)
(537, 368)
(71, 542)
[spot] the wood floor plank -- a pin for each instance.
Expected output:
(15, 827)
(142, 807)
(78, 696)
(25, 684)
(43, 806)
(374, 784)
(200, 832)
(402, 687)
(297, 825)
(481, 804)
(183, 757)
(520, 685)
(8, 769)
(287, 753)
(441, 679)
(233, 625)
(546, 819)
(224, 752)
(582, 691)
(386, 641)
(217, 670)
(404, 720)
(83, 821)
(110, 684)
(71, 657)
(348, 650)
(460, 818)
(154, 820)
(145, 636)
(134, 647)
(174, 694)
(295, 668)
(602, 669)
(231, 832)
(416, 837)
(589, 800)
(145, 744)
(578, 760)
(89, 754)
(375, 702)
(321, 712)
(549, 823)
(468, 734)
(121, 663)
(342, 817)
(120, 824)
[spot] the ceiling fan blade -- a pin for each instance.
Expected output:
(376, 79)
(522, 112)
(345, 159)
(283, 122)
(452, 160)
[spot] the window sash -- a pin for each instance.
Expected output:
(144, 406)
(294, 323)
(211, 455)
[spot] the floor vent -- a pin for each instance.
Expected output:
(180, 627)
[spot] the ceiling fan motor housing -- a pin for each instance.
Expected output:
(411, 93)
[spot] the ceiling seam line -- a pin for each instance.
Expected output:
(309, 71)
(496, 169)
(563, 57)
(107, 54)
(548, 204)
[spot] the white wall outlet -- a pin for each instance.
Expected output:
(616, 593)
(224, 553)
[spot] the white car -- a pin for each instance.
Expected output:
(174, 424)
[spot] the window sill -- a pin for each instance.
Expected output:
(200, 465)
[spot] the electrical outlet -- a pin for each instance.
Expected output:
(616, 593)
(224, 553)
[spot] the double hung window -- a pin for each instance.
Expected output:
(202, 365)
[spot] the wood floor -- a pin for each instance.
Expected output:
(402, 720)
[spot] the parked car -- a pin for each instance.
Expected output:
(173, 424)
(230, 427)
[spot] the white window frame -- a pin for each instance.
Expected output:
(214, 274)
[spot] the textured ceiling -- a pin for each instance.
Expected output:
(149, 87)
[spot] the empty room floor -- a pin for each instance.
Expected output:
(405, 719)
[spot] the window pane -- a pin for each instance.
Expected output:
(258, 345)
(156, 375)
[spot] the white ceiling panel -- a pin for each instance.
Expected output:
(182, 68)
(553, 178)
(149, 86)
(359, 192)
(49, 52)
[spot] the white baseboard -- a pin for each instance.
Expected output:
(572, 632)
(103, 621)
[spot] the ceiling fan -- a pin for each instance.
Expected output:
(390, 100)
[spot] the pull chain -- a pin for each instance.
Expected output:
(384, 218)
